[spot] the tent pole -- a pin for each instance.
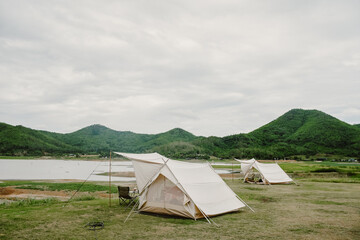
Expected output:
(145, 187)
(245, 176)
(110, 180)
(205, 216)
(132, 210)
(244, 203)
(148, 183)
(295, 182)
(233, 191)
(232, 172)
(150, 180)
(81, 185)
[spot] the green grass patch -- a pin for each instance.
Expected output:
(254, 189)
(84, 198)
(302, 230)
(30, 202)
(257, 197)
(18, 157)
(87, 187)
(281, 212)
(306, 167)
(41, 188)
(42, 202)
(332, 180)
(331, 169)
(323, 202)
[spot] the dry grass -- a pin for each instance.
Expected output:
(4, 191)
(313, 210)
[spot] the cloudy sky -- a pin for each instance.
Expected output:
(209, 67)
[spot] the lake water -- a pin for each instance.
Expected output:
(226, 164)
(64, 169)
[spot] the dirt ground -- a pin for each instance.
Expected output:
(11, 193)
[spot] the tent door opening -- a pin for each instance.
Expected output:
(164, 197)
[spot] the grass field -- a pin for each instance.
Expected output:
(316, 171)
(51, 186)
(312, 210)
(318, 208)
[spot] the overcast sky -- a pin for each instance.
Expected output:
(209, 67)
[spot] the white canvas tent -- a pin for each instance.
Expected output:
(192, 190)
(271, 173)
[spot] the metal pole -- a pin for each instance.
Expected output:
(232, 171)
(110, 181)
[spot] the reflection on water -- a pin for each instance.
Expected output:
(62, 169)
(65, 169)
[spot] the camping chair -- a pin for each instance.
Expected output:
(124, 196)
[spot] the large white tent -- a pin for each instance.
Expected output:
(192, 190)
(271, 173)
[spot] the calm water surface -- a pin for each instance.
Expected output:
(65, 169)
(62, 169)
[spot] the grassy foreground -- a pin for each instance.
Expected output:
(312, 210)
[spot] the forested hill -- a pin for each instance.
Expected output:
(94, 139)
(305, 132)
(297, 132)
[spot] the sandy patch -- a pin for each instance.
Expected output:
(14, 193)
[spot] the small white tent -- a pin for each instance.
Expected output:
(192, 190)
(271, 173)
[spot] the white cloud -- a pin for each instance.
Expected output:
(212, 68)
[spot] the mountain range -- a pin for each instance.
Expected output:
(296, 133)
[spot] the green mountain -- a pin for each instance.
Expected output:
(19, 140)
(96, 138)
(297, 132)
(310, 132)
